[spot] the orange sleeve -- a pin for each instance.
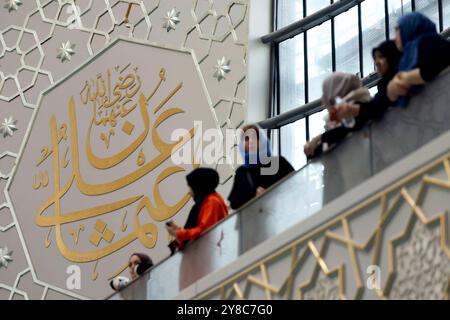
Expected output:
(209, 215)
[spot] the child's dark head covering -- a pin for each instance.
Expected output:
(203, 181)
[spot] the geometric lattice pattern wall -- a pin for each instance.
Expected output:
(394, 245)
(43, 41)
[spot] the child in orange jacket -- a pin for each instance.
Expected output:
(209, 207)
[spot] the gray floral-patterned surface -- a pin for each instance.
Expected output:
(42, 41)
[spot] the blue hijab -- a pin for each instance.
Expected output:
(413, 27)
(256, 158)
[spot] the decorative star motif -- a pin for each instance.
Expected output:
(171, 20)
(5, 257)
(66, 51)
(222, 68)
(7, 127)
(12, 5)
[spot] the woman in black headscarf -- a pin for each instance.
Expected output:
(386, 57)
(209, 207)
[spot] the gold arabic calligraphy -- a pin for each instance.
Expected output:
(109, 106)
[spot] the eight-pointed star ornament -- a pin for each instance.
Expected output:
(66, 51)
(171, 20)
(222, 68)
(5, 257)
(7, 127)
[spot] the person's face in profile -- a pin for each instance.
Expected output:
(381, 63)
(190, 191)
(251, 141)
(134, 261)
(398, 39)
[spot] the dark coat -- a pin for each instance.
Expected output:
(249, 178)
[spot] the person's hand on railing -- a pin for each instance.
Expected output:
(172, 228)
(310, 147)
(174, 245)
(260, 191)
(399, 86)
(411, 78)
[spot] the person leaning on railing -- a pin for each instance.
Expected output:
(137, 265)
(425, 55)
(260, 169)
(386, 57)
(338, 85)
(209, 208)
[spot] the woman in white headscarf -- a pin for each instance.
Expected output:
(338, 86)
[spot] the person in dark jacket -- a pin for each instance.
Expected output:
(425, 55)
(386, 57)
(259, 171)
(209, 208)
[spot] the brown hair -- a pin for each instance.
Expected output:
(143, 257)
(254, 127)
(146, 262)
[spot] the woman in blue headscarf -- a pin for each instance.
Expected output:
(260, 169)
(425, 55)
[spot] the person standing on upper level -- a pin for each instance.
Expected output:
(209, 207)
(386, 57)
(425, 55)
(349, 88)
(260, 169)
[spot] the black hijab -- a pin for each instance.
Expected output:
(389, 50)
(203, 182)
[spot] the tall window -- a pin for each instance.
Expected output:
(342, 43)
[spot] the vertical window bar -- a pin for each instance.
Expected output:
(307, 127)
(413, 5)
(333, 66)
(274, 25)
(305, 55)
(278, 95)
(272, 100)
(273, 62)
(441, 16)
(305, 37)
(278, 131)
(333, 43)
(360, 36)
(304, 9)
(277, 84)
(386, 19)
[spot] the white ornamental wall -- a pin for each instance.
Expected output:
(42, 41)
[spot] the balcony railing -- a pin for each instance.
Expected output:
(302, 194)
